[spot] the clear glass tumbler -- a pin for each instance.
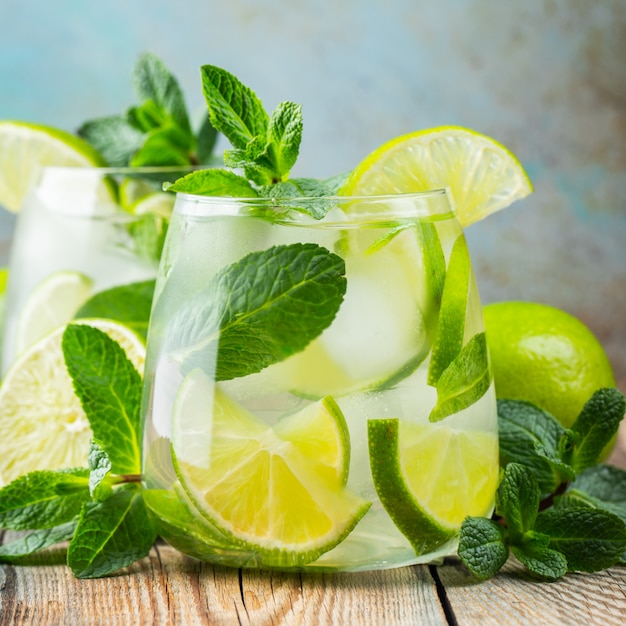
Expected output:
(317, 392)
(80, 231)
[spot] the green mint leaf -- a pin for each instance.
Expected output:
(113, 137)
(285, 196)
(16, 551)
(450, 331)
(234, 109)
(167, 145)
(153, 81)
(148, 232)
(260, 310)
(111, 534)
(590, 539)
(213, 182)
(435, 266)
(147, 116)
(336, 183)
(482, 546)
(541, 560)
(206, 140)
(43, 499)
(601, 486)
(530, 436)
(109, 389)
(464, 381)
(128, 304)
(517, 500)
(285, 135)
(595, 426)
(100, 469)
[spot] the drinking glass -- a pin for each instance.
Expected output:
(317, 391)
(80, 231)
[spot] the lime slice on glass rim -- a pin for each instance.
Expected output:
(25, 148)
(52, 303)
(482, 175)
(42, 423)
(278, 490)
(429, 478)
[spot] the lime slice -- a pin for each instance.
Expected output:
(159, 203)
(24, 148)
(52, 303)
(42, 424)
(429, 478)
(4, 275)
(278, 490)
(483, 175)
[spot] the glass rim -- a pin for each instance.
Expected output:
(124, 170)
(409, 205)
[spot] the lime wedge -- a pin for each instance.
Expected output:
(159, 203)
(429, 478)
(483, 175)
(24, 148)
(278, 490)
(42, 423)
(52, 303)
(4, 274)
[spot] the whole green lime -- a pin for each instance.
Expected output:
(546, 356)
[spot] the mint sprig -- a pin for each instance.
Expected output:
(550, 525)
(156, 131)
(264, 149)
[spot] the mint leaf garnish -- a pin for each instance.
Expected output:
(234, 109)
(285, 135)
(539, 558)
(259, 310)
(127, 304)
(111, 534)
(214, 182)
(590, 539)
(43, 499)
(482, 546)
(595, 426)
(109, 389)
(517, 500)
(464, 381)
(531, 436)
(16, 551)
(114, 137)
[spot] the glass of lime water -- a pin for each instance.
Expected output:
(81, 230)
(317, 393)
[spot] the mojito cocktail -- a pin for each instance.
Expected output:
(317, 391)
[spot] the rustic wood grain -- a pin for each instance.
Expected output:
(514, 597)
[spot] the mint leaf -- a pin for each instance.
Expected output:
(595, 426)
(100, 469)
(285, 196)
(517, 500)
(540, 559)
(601, 486)
(259, 310)
(109, 389)
(482, 546)
(285, 135)
(153, 81)
(114, 137)
(531, 436)
(15, 551)
(335, 183)
(167, 145)
(464, 381)
(148, 232)
(128, 304)
(43, 499)
(111, 535)
(213, 182)
(234, 109)
(590, 539)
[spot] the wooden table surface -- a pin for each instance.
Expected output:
(169, 588)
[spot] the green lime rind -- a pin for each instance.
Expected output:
(448, 340)
(279, 557)
(423, 532)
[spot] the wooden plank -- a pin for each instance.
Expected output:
(169, 588)
(513, 597)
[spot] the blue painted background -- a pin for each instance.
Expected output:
(545, 77)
